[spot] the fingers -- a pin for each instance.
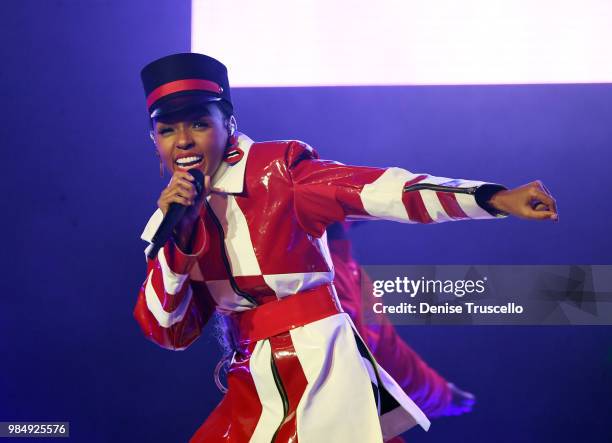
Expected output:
(181, 199)
(543, 187)
(544, 195)
(187, 181)
(187, 192)
(540, 196)
(170, 196)
(180, 190)
(185, 186)
(181, 178)
(183, 181)
(538, 203)
(541, 215)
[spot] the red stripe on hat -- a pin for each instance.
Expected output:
(189, 84)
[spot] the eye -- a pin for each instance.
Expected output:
(163, 131)
(200, 124)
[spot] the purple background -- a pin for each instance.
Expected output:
(81, 179)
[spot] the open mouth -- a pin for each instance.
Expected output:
(189, 162)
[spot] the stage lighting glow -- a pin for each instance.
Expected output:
(396, 42)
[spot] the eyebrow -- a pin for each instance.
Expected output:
(189, 118)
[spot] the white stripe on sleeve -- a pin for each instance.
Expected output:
(173, 282)
(164, 318)
(383, 197)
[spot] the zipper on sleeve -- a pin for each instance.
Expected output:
(418, 186)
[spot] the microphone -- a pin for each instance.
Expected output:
(173, 216)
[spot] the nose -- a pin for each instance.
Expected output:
(184, 138)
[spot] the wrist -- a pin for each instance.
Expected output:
(488, 197)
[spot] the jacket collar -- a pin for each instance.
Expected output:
(229, 178)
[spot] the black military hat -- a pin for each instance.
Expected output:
(178, 81)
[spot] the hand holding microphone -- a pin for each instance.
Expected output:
(180, 202)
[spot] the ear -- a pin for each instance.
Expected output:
(232, 125)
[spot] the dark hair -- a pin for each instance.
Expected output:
(225, 108)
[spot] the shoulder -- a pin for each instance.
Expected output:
(290, 152)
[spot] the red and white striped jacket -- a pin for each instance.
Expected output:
(273, 206)
(261, 235)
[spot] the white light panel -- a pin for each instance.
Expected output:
(406, 42)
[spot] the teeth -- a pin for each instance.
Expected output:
(186, 160)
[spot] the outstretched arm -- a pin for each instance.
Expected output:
(327, 191)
